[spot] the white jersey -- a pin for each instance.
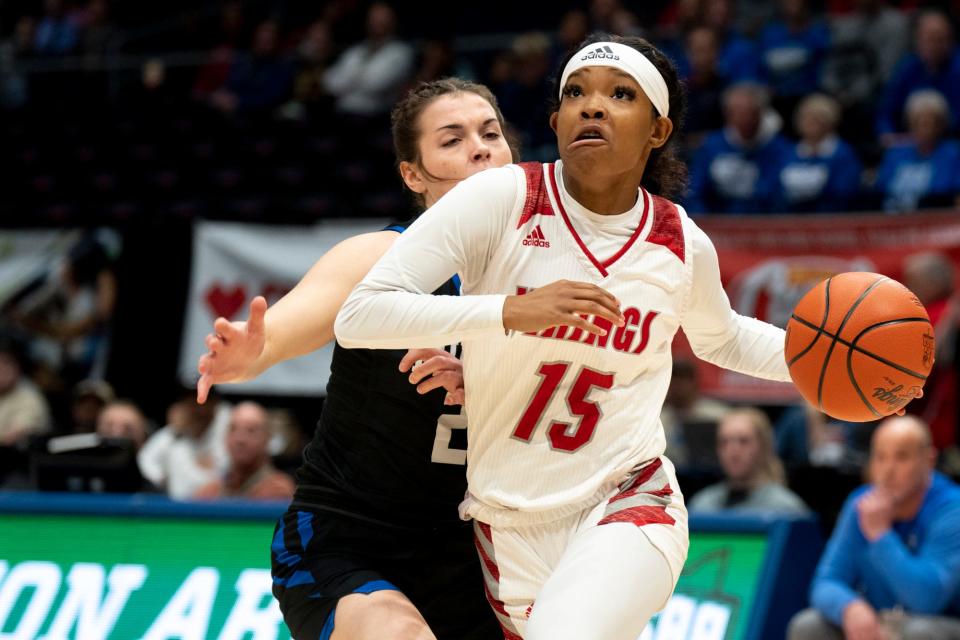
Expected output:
(558, 418)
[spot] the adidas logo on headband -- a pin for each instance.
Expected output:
(627, 59)
(603, 53)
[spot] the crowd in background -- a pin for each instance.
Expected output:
(250, 110)
(794, 106)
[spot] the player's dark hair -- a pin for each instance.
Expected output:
(405, 119)
(666, 173)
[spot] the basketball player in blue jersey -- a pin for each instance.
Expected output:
(372, 546)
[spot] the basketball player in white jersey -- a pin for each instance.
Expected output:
(577, 275)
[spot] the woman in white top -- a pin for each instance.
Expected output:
(576, 275)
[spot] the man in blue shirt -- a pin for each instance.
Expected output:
(892, 566)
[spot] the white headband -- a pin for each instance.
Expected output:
(628, 60)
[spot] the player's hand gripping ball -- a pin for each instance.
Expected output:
(859, 346)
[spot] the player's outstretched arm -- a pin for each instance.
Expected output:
(299, 323)
(716, 332)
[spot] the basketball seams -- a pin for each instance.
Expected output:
(856, 385)
(833, 343)
(896, 366)
(855, 347)
(823, 323)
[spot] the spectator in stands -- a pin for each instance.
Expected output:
(626, 23)
(603, 15)
(523, 98)
(23, 409)
(925, 171)
(935, 64)
(866, 46)
(70, 313)
(312, 60)
(99, 36)
(122, 419)
(736, 170)
(806, 436)
(259, 80)
(931, 276)
(739, 56)
(57, 33)
(892, 566)
(250, 474)
(87, 400)
(705, 85)
(368, 76)
(190, 451)
(437, 60)
(573, 29)
(793, 49)
(14, 84)
(821, 172)
(753, 475)
(213, 74)
(685, 412)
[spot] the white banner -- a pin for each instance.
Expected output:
(233, 263)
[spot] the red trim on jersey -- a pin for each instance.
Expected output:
(667, 228)
(647, 472)
(487, 532)
(640, 516)
(601, 266)
(636, 233)
(662, 492)
(645, 475)
(536, 202)
(487, 560)
(498, 607)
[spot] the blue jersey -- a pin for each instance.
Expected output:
(907, 177)
(916, 564)
(793, 60)
(381, 450)
(825, 181)
(727, 177)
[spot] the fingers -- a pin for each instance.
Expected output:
(434, 366)
(214, 343)
(586, 287)
(583, 322)
(592, 308)
(258, 309)
(413, 355)
(455, 397)
(449, 380)
(225, 329)
(204, 364)
(600, 305)
(203, 388)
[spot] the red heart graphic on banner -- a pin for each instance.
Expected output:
(225, 302)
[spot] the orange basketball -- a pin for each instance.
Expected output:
(858, 345)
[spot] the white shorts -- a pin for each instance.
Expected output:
(598, 573)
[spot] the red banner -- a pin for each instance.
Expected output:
(768, 263)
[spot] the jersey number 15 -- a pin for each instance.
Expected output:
(564, 436)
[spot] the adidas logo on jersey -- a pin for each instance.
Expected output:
(536, 239)
(603, 53)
